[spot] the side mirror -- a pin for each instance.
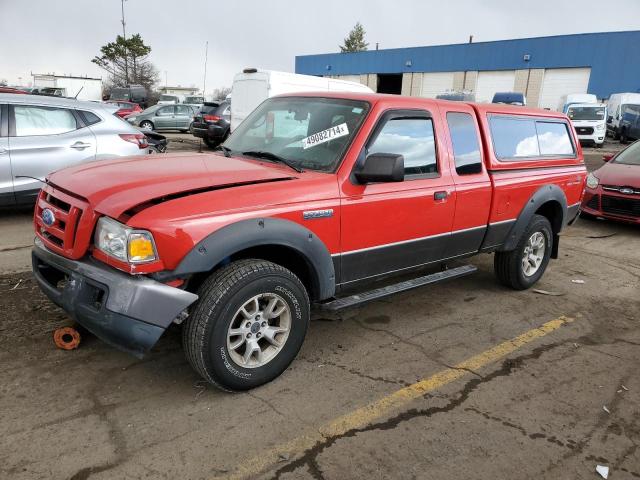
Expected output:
(607, 157)
(381, 167)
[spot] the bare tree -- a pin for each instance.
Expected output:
(221, 93)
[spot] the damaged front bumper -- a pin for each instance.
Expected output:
(128, 312)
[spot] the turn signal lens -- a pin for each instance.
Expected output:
(141, 248)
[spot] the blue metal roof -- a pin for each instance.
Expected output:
(611, 56)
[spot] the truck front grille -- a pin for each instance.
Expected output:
(584, 130)
(67, 226)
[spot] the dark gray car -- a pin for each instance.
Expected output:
(164, 117)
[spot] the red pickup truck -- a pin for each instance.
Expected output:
(313, 197)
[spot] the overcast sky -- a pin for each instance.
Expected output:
(62, 36)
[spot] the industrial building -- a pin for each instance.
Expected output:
(543, 68)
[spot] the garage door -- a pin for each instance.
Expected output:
(436, 83)
(492, 82)
(559, 82)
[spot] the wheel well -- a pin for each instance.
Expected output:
(286, 257)
(552, 210)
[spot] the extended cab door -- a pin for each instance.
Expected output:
(44, 139)
(388, 227)
(470, 176)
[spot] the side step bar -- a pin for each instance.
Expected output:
(359, 299)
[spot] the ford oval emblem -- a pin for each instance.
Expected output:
(48, 218)
(627, 191)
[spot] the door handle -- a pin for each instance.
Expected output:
(2, 151)
(80, 145)
(440, 196)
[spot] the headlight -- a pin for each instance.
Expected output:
(600, 127)
(592, 181)
(124, 243)
(131, 119)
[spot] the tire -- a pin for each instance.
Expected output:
(250, 284)
(509, 266)
(146, 124)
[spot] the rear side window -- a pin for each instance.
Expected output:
(553, 139)
(414, 139)
(35, 120)
(522, 138)
(89, 117)
(466, 149)
(183, 110)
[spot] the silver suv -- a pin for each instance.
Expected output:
(39, 135)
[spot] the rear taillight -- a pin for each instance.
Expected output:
(137, 138)
(211, 118)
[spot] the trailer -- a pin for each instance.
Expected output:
(84, 88)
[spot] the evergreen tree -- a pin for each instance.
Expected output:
(355, 41)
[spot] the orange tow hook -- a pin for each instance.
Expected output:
(66, 338)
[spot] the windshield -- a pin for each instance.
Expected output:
(119, 94)
(194, 100)
(310, 133)
(168, 98)
(629, 156)
(586, 113)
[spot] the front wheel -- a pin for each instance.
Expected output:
(523, 266)
(248, 324)
(146, 124)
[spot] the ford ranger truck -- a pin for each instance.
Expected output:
(312, 198)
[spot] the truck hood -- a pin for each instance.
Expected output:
(113, 187)
(619, 174)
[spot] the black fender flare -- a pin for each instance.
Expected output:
(239, 236)
(547, 193)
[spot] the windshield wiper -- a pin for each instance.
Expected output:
(225, 150)
(274, 157)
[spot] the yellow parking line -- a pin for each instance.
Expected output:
(377, 409)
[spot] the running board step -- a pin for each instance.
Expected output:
(359, 299)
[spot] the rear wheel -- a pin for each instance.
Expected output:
(248, 324)
(523, 266)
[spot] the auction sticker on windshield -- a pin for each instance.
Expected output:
(325, 135)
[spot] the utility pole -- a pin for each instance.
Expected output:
(124, 36)
(206, 54)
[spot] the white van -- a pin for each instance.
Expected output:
(252, 87)
(614, 106)
(574, 98)
(589, 122)
(166, 99)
